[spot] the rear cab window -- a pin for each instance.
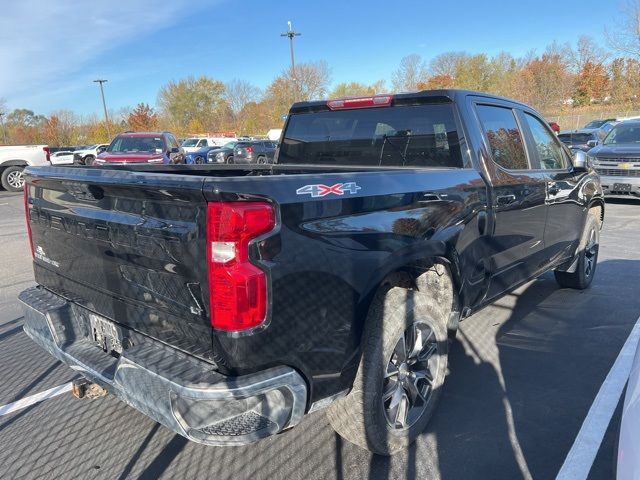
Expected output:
(406, 136)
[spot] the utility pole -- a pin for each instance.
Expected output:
(290, 33)
(4, 132)
(104, 105)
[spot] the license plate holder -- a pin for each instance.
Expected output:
(105, 334)
(621, 187)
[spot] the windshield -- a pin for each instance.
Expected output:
(595, 124)
(412, 136)
(136, 144)
(190, 142)
(623, 134)
(230, 145)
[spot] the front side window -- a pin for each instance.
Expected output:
(190, 142)
(408, 136)
(504, 136)
(549, 152)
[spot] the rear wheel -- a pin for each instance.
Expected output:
(199, 160)
(230, 159)
(262, 160)
(402, 369)
(88, 160)
(583, 275)
(13, 178)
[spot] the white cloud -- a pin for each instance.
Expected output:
(44, 44)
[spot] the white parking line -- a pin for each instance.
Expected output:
(580, 458)
(32, 399)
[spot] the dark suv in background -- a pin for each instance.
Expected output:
(579, 139)
(257, 151)
(142, 147)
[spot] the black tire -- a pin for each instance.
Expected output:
(12, 178)
(363, 416)
(583, 275)
(230, 160)
(199, 160)
(262, 160)
(88, 160)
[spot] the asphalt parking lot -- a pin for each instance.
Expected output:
(523, 375)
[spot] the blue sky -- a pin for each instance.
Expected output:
(51, 51)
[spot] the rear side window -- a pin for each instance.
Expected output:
(505, 138)
(549, 152)
(408, 136)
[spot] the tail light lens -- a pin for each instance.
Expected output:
(47, 153)
(237, 288)
(28, 217)
(249, 150)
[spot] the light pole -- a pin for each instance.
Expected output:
(104, 105)
(291, 34)
(4, 132)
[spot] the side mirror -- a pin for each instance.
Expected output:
(580, 161)
(592, 143)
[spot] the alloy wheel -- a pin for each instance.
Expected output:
(409, 376)
(16, 179)
(590, 254)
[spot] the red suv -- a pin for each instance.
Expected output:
(142, 147)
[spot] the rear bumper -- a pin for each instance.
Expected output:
(608, 185)
(183, 393)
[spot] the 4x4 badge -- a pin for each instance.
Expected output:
(320, 190)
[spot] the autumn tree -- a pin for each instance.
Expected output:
(624, 38)
(411, 71)
(61, 128)
(240, 92)
(544, 81)
(195, 104)
(142, 118)
(592, 83)
(445, 64)
(356, 89)
(309, 81)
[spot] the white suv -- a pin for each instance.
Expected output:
(86, 156)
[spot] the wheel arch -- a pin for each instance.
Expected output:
(14, 163)
(403, 270)
(598, 202)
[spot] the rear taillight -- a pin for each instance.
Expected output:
(27, 215)
(237, 288)
(249, 150)
(360, 102)
(47, 153)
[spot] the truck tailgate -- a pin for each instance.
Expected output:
(127, 246)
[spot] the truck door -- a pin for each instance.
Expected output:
(516, 246)
(565, 212)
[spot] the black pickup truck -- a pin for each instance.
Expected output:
(227, 301)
